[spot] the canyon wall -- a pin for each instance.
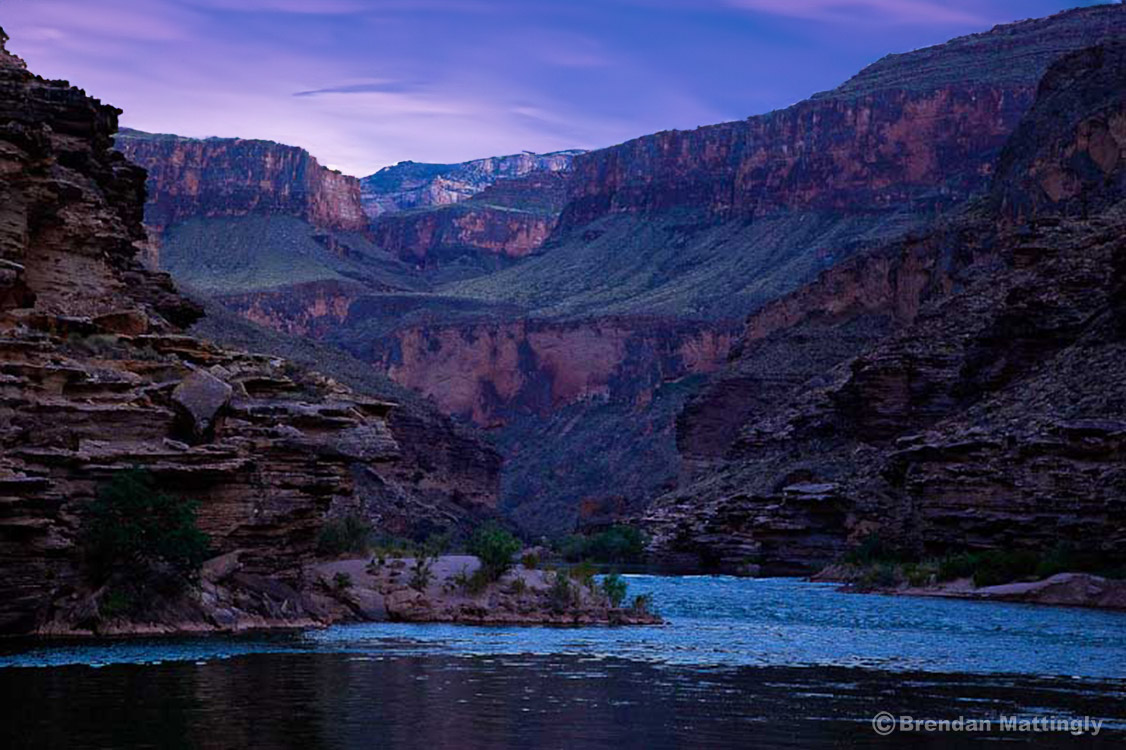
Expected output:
(411, 185)
(510, 299)
(189, 178)
(979, 404)
(98, 376)
(487, 370)
(926, 150)
(510, 219)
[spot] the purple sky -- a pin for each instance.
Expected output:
(366, 83)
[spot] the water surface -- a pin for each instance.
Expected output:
(773, 663)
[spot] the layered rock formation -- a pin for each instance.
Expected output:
(191, 177)
(98, 376)
(220, 177)
(667, 232)
(510, 219)
(960, 390)
(488, 371)
(409, 185)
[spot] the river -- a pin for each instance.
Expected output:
(741, 663)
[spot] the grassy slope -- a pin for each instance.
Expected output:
(248, 253)
(678, 265)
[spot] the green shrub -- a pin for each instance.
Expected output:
(530, 561)
(614, 587)
(992, 567)
(133, 527)
(961, 565)
(618, 544)
(422, 573)
(1001, 566)
(342, 535)
(562, 596)
(116, 602)
(518, 587)
(880, 576)
(471, 584)
(583, 573)
(342, 581)
(872, 550)
(1067, 558)
(643, 604)
(437, 544)
(494, 546)
(920, 574)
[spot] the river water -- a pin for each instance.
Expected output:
(741, 663)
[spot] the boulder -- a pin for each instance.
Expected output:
(199, 399)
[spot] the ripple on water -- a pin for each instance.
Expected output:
(713, 621)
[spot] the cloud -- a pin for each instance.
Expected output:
(308, 7)
(864, 11)
(113, 19)
(374, 87)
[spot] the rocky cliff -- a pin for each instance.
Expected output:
(507, 220)
(98, 376)
(858, 187)
(958, 390)
(219, 177)
(921, 129)
(488, 371)
(409, 185)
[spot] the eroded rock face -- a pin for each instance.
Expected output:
(510, 219)
(486, 371)
(96, 376)
(190, 178)
(986, 407)
(922, 129)
(410, 185)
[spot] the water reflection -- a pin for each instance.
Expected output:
(337, 700)
(741, 663)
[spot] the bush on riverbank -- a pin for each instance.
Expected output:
(873, 564)
(618, 544)
(494, 546)
(132, 527)
(343, 535)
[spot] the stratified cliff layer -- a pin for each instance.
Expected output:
(960, 390)
(692, 229)
(510, 219)
(191, 177)
(97, 376)
(717, 221)
(409, 185)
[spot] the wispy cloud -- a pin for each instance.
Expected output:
(305, 7)
(365, 83)
(867, 12)
(373, 87)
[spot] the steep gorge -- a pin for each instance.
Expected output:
(98, 375)
(977, 401)
(671, 239)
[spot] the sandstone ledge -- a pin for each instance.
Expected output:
(382, 591)
(1061, 590)
(228, 599)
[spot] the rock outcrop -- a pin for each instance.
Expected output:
(489, 371)
(442, 590)
(860, 193)
(979, 403)
(219, 177)
(510, 219)
(98, 376)
(410, 185)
